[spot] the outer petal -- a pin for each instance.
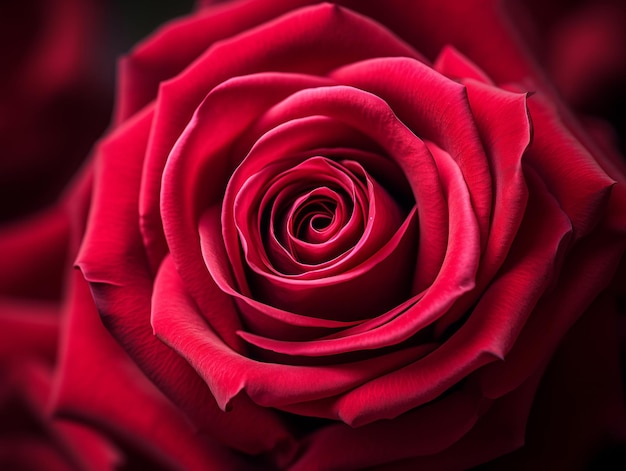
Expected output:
(177, 322)
(571, 173)
(477, 432)
(99, 385)
(423, 431)
(443, 116)
(588, 268)
(178, 44)
(504, 126)
(454, 279)
(123, 297)
(479, 28)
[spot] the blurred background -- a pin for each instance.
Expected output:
(582, 46)
(58, 61)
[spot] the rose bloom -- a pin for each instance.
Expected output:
(348, 235)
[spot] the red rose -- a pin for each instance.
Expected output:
(52, 105)
(337, 242)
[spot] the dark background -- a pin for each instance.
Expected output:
(127, 22)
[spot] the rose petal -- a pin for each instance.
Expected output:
(443, 116)
(503, 122)
(484, 337)
(294, 140)
(451, 63)
(569, 170)
(267, 384)
(595, 257)
(455, 278)
(500, 429)
(284, 45)
(424, 431)
(123, 297)
(98, 383)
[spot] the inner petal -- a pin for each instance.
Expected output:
(316, 219)
(321, 226)
(317, 212)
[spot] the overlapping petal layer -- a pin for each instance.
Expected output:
(351, 236)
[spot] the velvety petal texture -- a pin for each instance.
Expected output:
(336, 236)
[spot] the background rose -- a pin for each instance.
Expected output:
(581, 45)
(53, 103)
(131, 163)
(35, 260)
(51, 110)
